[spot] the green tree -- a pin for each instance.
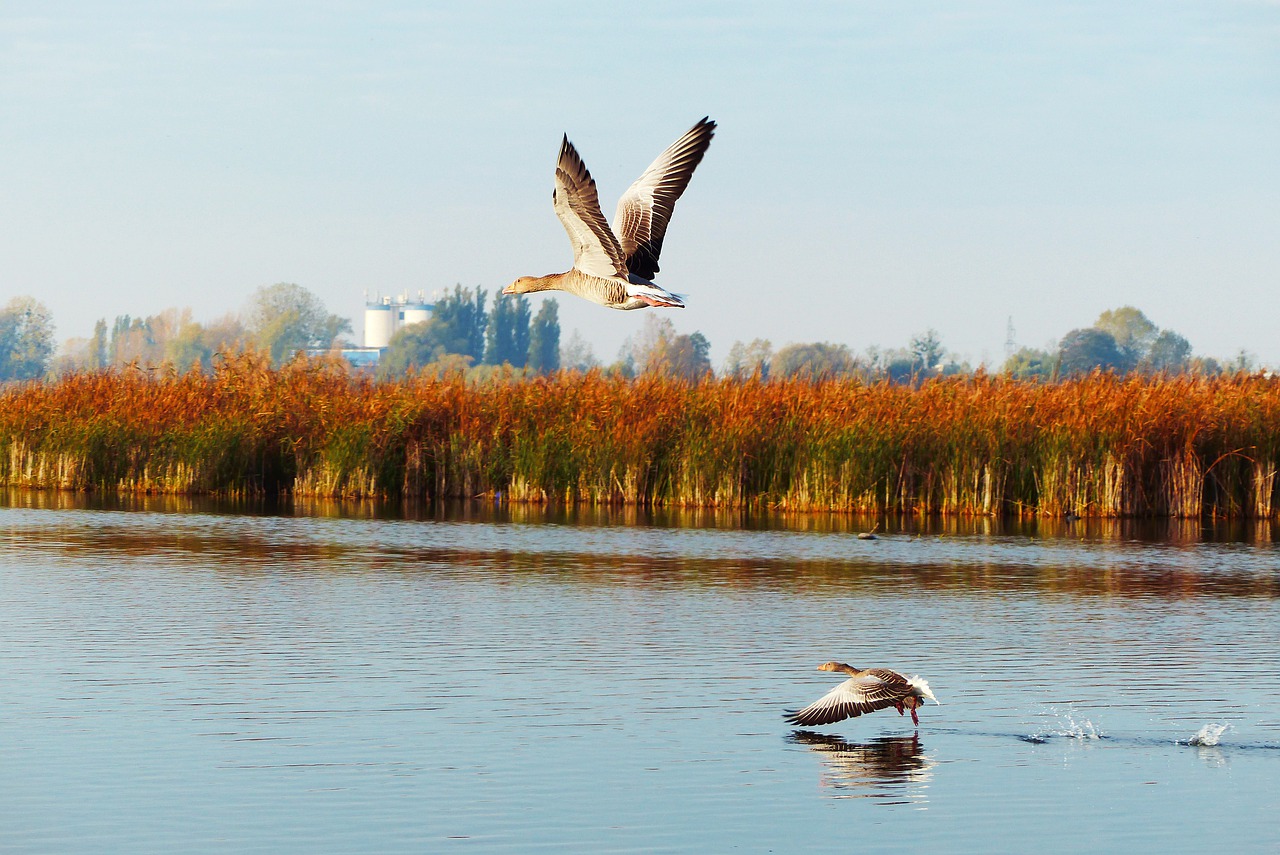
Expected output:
(815, 360)
(522, 340)
(927, 351)
(1170, 353)
(416, 346)
(461, 322)
(544, 338)
(1029, 363)
(1083, 350)
(26, 339)
(187, 346)
(98, 346)
(507, 336)
(285, 318)
(902, 368)
(1132, 332)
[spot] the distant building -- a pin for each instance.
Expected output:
(383, 318)
(361, 357)
(386, 316)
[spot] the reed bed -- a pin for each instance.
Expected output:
(1097, 446)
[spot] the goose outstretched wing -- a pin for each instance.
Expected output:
(645, 209)
(595, 247)
(874, 690)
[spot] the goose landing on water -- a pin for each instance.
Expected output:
(865, 691)
(613, 267)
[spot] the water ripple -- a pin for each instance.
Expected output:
(208, 682)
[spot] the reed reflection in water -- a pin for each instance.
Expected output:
(1184, 532)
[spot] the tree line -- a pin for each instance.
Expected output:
(461, 335)
(1122, 340)
(464, 334)
(281, 320)
(278, 320)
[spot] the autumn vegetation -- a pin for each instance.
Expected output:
(1119, 420)
(1097, 445)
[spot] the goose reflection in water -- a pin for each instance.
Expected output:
(891, 768)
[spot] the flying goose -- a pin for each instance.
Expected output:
(613, 267)
(865, 691)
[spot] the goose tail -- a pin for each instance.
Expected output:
(921, 685)
(654, 296)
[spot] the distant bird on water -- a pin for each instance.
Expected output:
(614, 267)
(865, 691)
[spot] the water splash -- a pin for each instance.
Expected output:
(1209, 735)
(1066, 727)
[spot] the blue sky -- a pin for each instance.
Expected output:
(880, 168)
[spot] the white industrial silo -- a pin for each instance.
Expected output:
(415, 311)
(379, 323)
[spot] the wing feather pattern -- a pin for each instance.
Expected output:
(874, 690)
(595, 247)
(645, 209)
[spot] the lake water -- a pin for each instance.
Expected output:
(177, 677)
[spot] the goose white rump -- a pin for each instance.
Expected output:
(615, 266)
(866, 690)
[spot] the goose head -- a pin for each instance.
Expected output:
(523, 285)
(837, 666)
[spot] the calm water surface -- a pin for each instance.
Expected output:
(180, 678)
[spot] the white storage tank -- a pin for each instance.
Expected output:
(379, 323)
(415, 313)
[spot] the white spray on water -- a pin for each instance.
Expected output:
(1209, 735)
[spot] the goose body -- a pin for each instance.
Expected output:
(615, 266)
(866, 690)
